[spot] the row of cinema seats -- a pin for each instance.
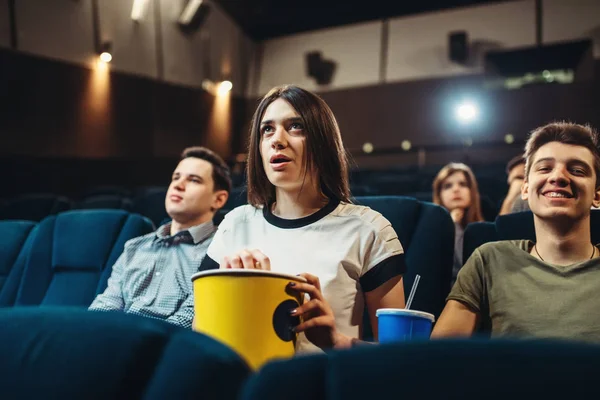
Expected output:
(66, 259)
(56, 348)
(489, 208)
(73, 354)
(66, 352)
(39, 265)
(513, 227)
(149, 201)
(412, 181)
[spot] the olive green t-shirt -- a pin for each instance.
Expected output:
(519, 295)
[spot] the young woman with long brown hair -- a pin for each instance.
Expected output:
(300, 220)
(455, 188)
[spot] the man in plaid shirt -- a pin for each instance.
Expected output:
(153, 275)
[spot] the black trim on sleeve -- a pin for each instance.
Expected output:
(383, 272)
(207, 264)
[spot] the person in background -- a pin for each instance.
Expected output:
(152, 277)
(515, 170)
(300, 220)
(546, 289)
(455, 188)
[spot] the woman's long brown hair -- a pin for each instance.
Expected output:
(473, 213)
(324, 154)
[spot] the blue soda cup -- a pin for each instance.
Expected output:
(399, 324)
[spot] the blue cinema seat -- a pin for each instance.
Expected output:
(468, 369)
(393, 183)
(66, 353)
(34, 207)
(237, 197)
(421, 196)
(105, 201)
(107, 190)
(426, 232)
(72, 255)
(512, 227)
(15, 239)
(151, 203)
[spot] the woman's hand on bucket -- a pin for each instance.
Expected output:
(246, 259)
(318, 319)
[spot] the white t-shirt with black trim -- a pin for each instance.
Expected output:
(351, 249)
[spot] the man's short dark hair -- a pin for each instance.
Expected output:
(221, 174)
(517, 160)
(565, 133)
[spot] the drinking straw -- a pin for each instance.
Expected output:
(412, 291)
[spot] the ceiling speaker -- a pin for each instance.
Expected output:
(458, 47)
(320, 69)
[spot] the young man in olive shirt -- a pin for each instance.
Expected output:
(548, 289)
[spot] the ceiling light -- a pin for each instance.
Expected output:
(189, 11)
(138, 10)
(224, 87)
(105, 57)
(105, 52)
(466, 112)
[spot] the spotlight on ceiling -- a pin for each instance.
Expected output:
(106, 57)
(105, 54)
(224, 87)
(217, 88)
(138, 10)
(193, 15)
(208, 85)
(467, 112)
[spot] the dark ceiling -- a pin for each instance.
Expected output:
(267, 19)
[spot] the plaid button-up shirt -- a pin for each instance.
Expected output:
(153, 275)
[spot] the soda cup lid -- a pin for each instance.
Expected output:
(405, 312)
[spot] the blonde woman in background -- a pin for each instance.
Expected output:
(455, 188)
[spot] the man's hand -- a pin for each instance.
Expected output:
(514, 189)
(514, 192)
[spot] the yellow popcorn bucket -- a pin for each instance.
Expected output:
(248, 310)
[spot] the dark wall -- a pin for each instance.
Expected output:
(58, 133)
(422, 112)
(64, 127)
(53, 109)
(73, 177)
